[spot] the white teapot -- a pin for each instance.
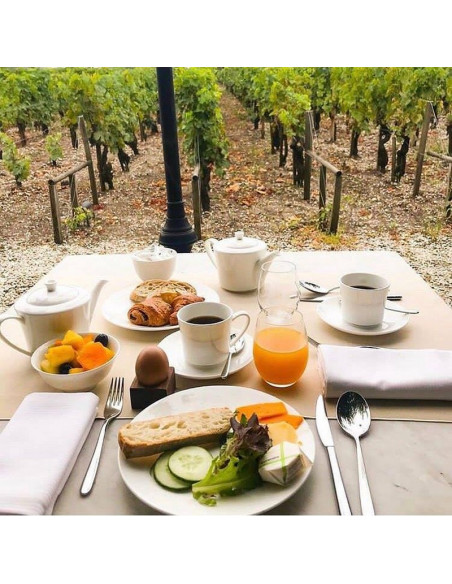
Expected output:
(50, 311)
(238, 260)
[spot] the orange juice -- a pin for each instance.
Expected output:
(280, 355)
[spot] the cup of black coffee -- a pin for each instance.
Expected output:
(363, 297)
(206, 332)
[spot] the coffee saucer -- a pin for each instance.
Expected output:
(330, 312)
(172, 345)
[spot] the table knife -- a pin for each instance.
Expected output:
(324, 430)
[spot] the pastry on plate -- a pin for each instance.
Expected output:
(166, 289)
(153, 311)
(182, 300)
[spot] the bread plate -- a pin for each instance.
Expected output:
(136, 472)
(116, 306)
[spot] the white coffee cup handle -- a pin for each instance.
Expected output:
(239, 335)
(7, 341)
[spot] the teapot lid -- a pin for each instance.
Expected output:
(240, 244)
(51, 298)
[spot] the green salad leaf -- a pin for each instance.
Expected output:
(235, 469)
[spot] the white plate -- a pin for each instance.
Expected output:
(136, 473)
(172, 345)
(330, 312)
(116, 307)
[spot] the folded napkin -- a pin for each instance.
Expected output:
(386, 373)
(38, 448)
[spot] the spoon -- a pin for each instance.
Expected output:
(316, 288)
(403, 310)
(312, 287)
(236, 348)
(353, 415)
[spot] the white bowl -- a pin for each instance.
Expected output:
(153, 267)
(76, 381)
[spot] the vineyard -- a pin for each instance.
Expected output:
(246, 129)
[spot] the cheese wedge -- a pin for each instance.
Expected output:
(282, 463)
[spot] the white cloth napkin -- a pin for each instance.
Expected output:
(38, 449)
(424, 374)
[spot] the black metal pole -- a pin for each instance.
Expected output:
(177, 232)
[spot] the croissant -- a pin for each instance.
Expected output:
(152, 311)
(179, 302)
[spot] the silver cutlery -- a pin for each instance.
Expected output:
(312, 287)
(402, 310)
(353, 415)
(113, 407)
(324, 431)
(236, 348)
(392, 298)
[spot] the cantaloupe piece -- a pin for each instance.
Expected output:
(262, 410)
(282, 432)
(291, 419)
(93, 355)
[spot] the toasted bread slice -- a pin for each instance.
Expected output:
(170, 432)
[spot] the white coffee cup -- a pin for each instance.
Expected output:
(363, 298)
(206, 332)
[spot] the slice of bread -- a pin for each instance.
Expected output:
(170, 432)
(166, 289)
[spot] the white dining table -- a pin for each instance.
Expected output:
(407, 453)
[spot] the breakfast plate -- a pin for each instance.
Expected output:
(330, 312)
(136, 472)
(116, 307)
(172, 345)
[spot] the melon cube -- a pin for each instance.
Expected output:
(73, 339)
(56, 356)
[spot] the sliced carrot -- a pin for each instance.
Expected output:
(291, 419)
(262, 410)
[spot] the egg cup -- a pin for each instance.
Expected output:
(142, 396)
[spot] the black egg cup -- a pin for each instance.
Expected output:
(142, 396)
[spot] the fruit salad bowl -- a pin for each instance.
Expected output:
(57, 360)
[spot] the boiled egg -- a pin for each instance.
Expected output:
(152, 366)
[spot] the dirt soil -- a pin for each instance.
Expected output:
(254, 195)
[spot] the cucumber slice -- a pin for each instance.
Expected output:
(190, 463)
(165, 477)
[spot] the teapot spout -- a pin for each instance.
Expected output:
(268, 258)
(94, 296)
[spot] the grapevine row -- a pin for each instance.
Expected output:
(118, 105)
(390, 98)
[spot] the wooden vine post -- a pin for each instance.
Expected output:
(71, 175)
(88, 157)
(196, 197)
(449, 194)
(393, 157)
(307, 161)
(428, 114)
(324, 167)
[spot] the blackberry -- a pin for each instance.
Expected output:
(103, 339)
(64, 368)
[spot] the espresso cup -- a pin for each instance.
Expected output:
(363, 298)
(205, 329)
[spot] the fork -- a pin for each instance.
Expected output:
(113, 408)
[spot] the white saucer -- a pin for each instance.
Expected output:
(330, 312)
(172, 345)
